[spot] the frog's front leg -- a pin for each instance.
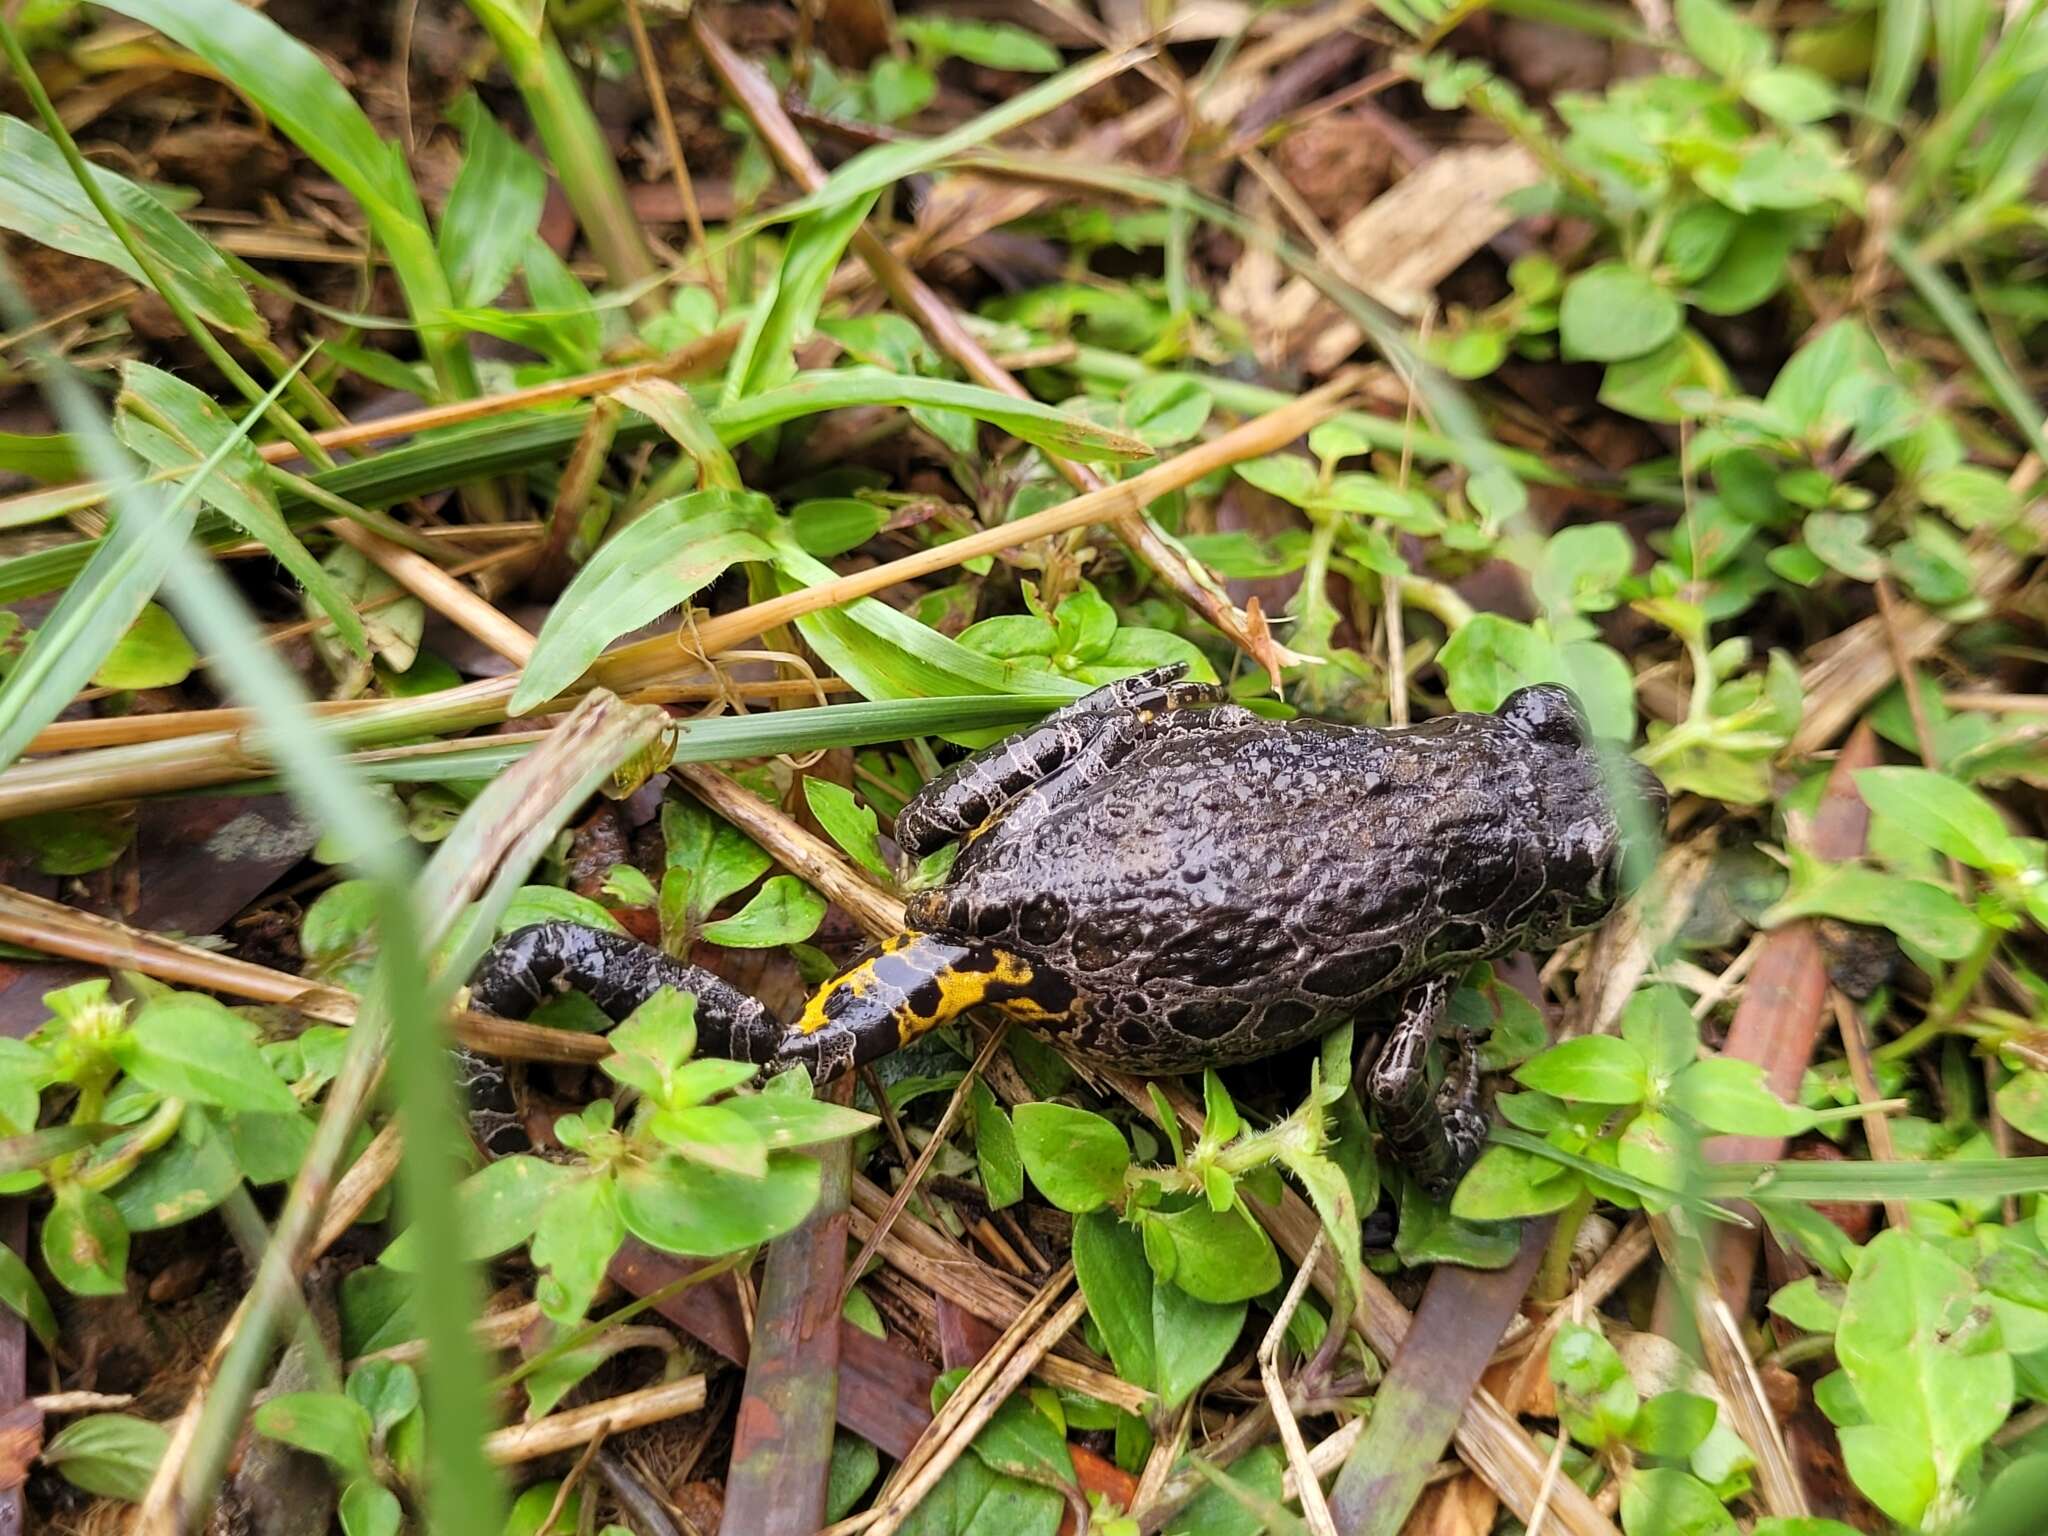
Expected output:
(974, 789)
(1436, 1137)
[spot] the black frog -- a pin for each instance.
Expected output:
(1162, 881)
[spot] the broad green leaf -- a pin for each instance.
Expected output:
(849, 824)
(1721, 39)
(1076, 1159)
(973, 1500)
(685, 1208)
(1596, 1398)
(189, 1047)
(574, 1237)
(1217, 1511)
(657, 561)
(1109, 1265)
(783, 911)
(1593, 1069)
(368, 1508)
(85, 1243)
(784, 1120)
(153, 654)
(1920, 911)
(186, 1178)
(493, 209)
(1663, 1501)
(40, 199)
(552, 904)
(708, 860)
(332, 1426)
(995, 1148)
(172, 425)
(113, 1455)
(499, 1205)
(1219, 1256)
(22, 1295)
(1673, 1424)
(1507, 1182)
(1730, 1096)
(1191, 1339)
(1949, 817)
(1611, 312)
(1928, 1368)
(1659, 1025)
(711, 1135)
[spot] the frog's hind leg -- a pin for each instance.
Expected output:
(618, 973)
(1436, 1137)
(910, 985)
(974, 789)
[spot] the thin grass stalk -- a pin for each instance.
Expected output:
(222, 758)
(583, 161)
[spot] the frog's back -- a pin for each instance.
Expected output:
(1228, 889)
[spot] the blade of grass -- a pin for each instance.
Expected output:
(1953, 311)
(226, 758)
(294, 89)
(97, 608)
(584, 164)
(142, 254)
(875, 169)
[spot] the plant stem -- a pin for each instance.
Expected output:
(584, 166)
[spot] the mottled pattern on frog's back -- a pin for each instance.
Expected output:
(1235, 885)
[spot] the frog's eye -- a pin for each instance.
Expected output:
(1547, 712)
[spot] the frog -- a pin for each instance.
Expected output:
(1160, 880)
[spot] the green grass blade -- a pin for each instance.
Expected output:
(1818, 1183)
(285, 78)
(1953, 311)
(41, 200)
(808, 394)
(109, 594)
(493, 209)
(659, 560)
(884, 165)
(788, 310)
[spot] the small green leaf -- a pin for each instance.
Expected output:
(23, 1296)
(368, 1508)
(574, 1237)
(686, 1208)
(1728, 1095)
(1507, 1182)
(1076, 1159)
(113, 1455)
(1611, 312)
(995, 1148)
(1593, 1069)
(1218, 1256)
(332, 1426)
(1672, 1424)
(1658, 1024)
(1948, 817)
(991, 44)
(499, 1205)
(190, 1047)
(1596, 1399)
(849, 824)
(1662, 1501)
(153, 654)
(85, 1243)
(783, 911)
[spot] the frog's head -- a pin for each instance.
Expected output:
(1603, 812)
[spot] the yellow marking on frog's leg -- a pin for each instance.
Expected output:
(915, 982)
